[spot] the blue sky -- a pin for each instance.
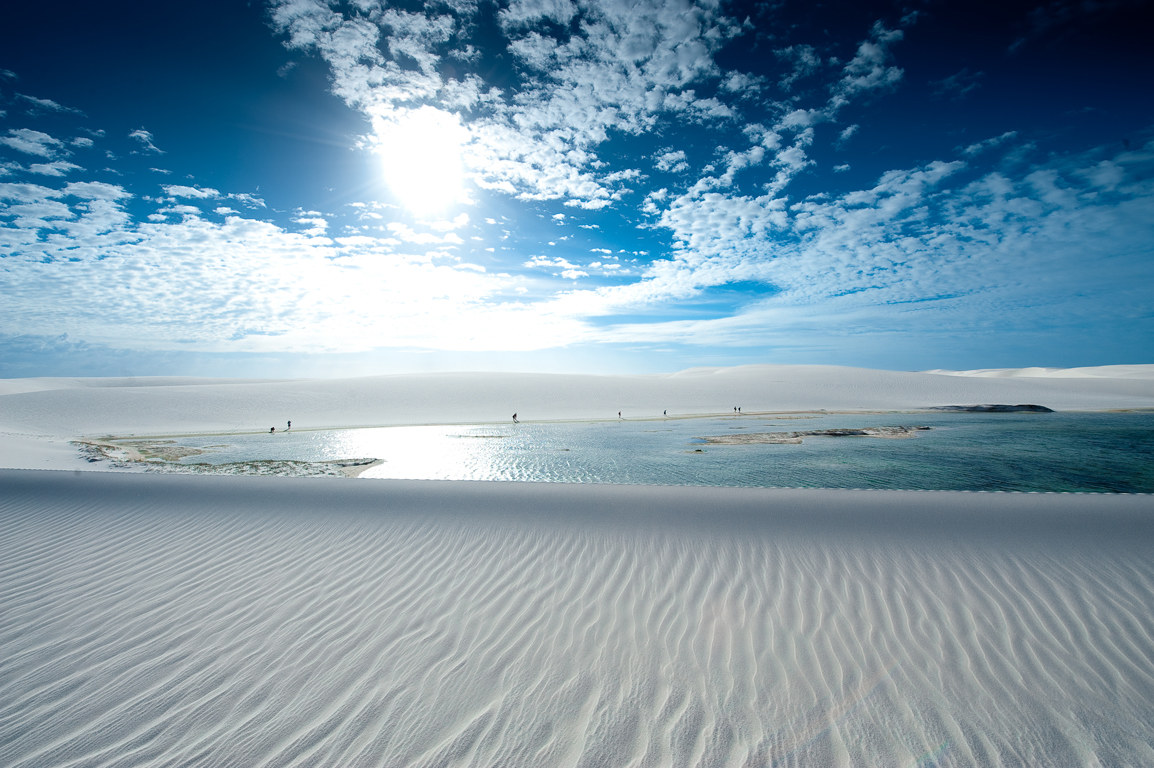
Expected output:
(309, 188)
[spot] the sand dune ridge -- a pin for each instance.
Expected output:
(162, 620)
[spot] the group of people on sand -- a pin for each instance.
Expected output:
(736, 410)
(289, 426)
(619, 416)
(517, 422)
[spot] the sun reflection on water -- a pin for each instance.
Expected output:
(436, 453)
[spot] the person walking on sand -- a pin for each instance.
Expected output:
(619, 414)
(290, 425)
(271, 430)
(515, 419)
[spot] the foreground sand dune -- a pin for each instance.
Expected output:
(169, 620)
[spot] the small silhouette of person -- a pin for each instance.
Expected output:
(271, 430)
(515, 419)
(665, 412)
(619, 414)
(290, 425)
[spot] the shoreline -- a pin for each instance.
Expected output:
(783, 415)
(816, 491)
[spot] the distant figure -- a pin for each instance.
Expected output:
(290, 425)
(515, 419)
(739, 410)
(665, 412)
(271, 430)
(619, 414)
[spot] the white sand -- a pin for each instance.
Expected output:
(173, 620)
(169, 620)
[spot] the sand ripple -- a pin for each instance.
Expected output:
(240, 621)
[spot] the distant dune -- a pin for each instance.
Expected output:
(66, 408)
(1098, 372)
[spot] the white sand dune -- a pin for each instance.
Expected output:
(171, 620)
(1096, 372)
(156, 620)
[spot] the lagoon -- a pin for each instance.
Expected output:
(1053, 452)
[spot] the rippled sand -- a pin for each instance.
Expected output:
(169, 620)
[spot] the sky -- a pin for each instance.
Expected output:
(311, 188)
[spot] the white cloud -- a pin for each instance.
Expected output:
(673, 161)
(47, 104)
(803, 61)
(251, 201)
(196, 193)
(979, 147)
(314, 226)
(742, 84)
(55, 168)
(26, 192)
(234, 285)
(32, 142)
(624, 64)
(930, 248)
(557, 266)
(96, 190)
(183, 210)
(459, 221)
(144, 139)
(870, 69)
(582, 77)
(524, 12)
(405, 233)
(38, 215)
(1107, 175)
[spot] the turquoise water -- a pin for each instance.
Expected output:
(1097, 452)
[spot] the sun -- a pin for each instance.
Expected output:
(420, 151)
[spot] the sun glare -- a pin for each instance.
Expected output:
(421, 156)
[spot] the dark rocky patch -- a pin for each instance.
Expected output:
(994, 408)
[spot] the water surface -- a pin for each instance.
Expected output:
(1097, 452)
